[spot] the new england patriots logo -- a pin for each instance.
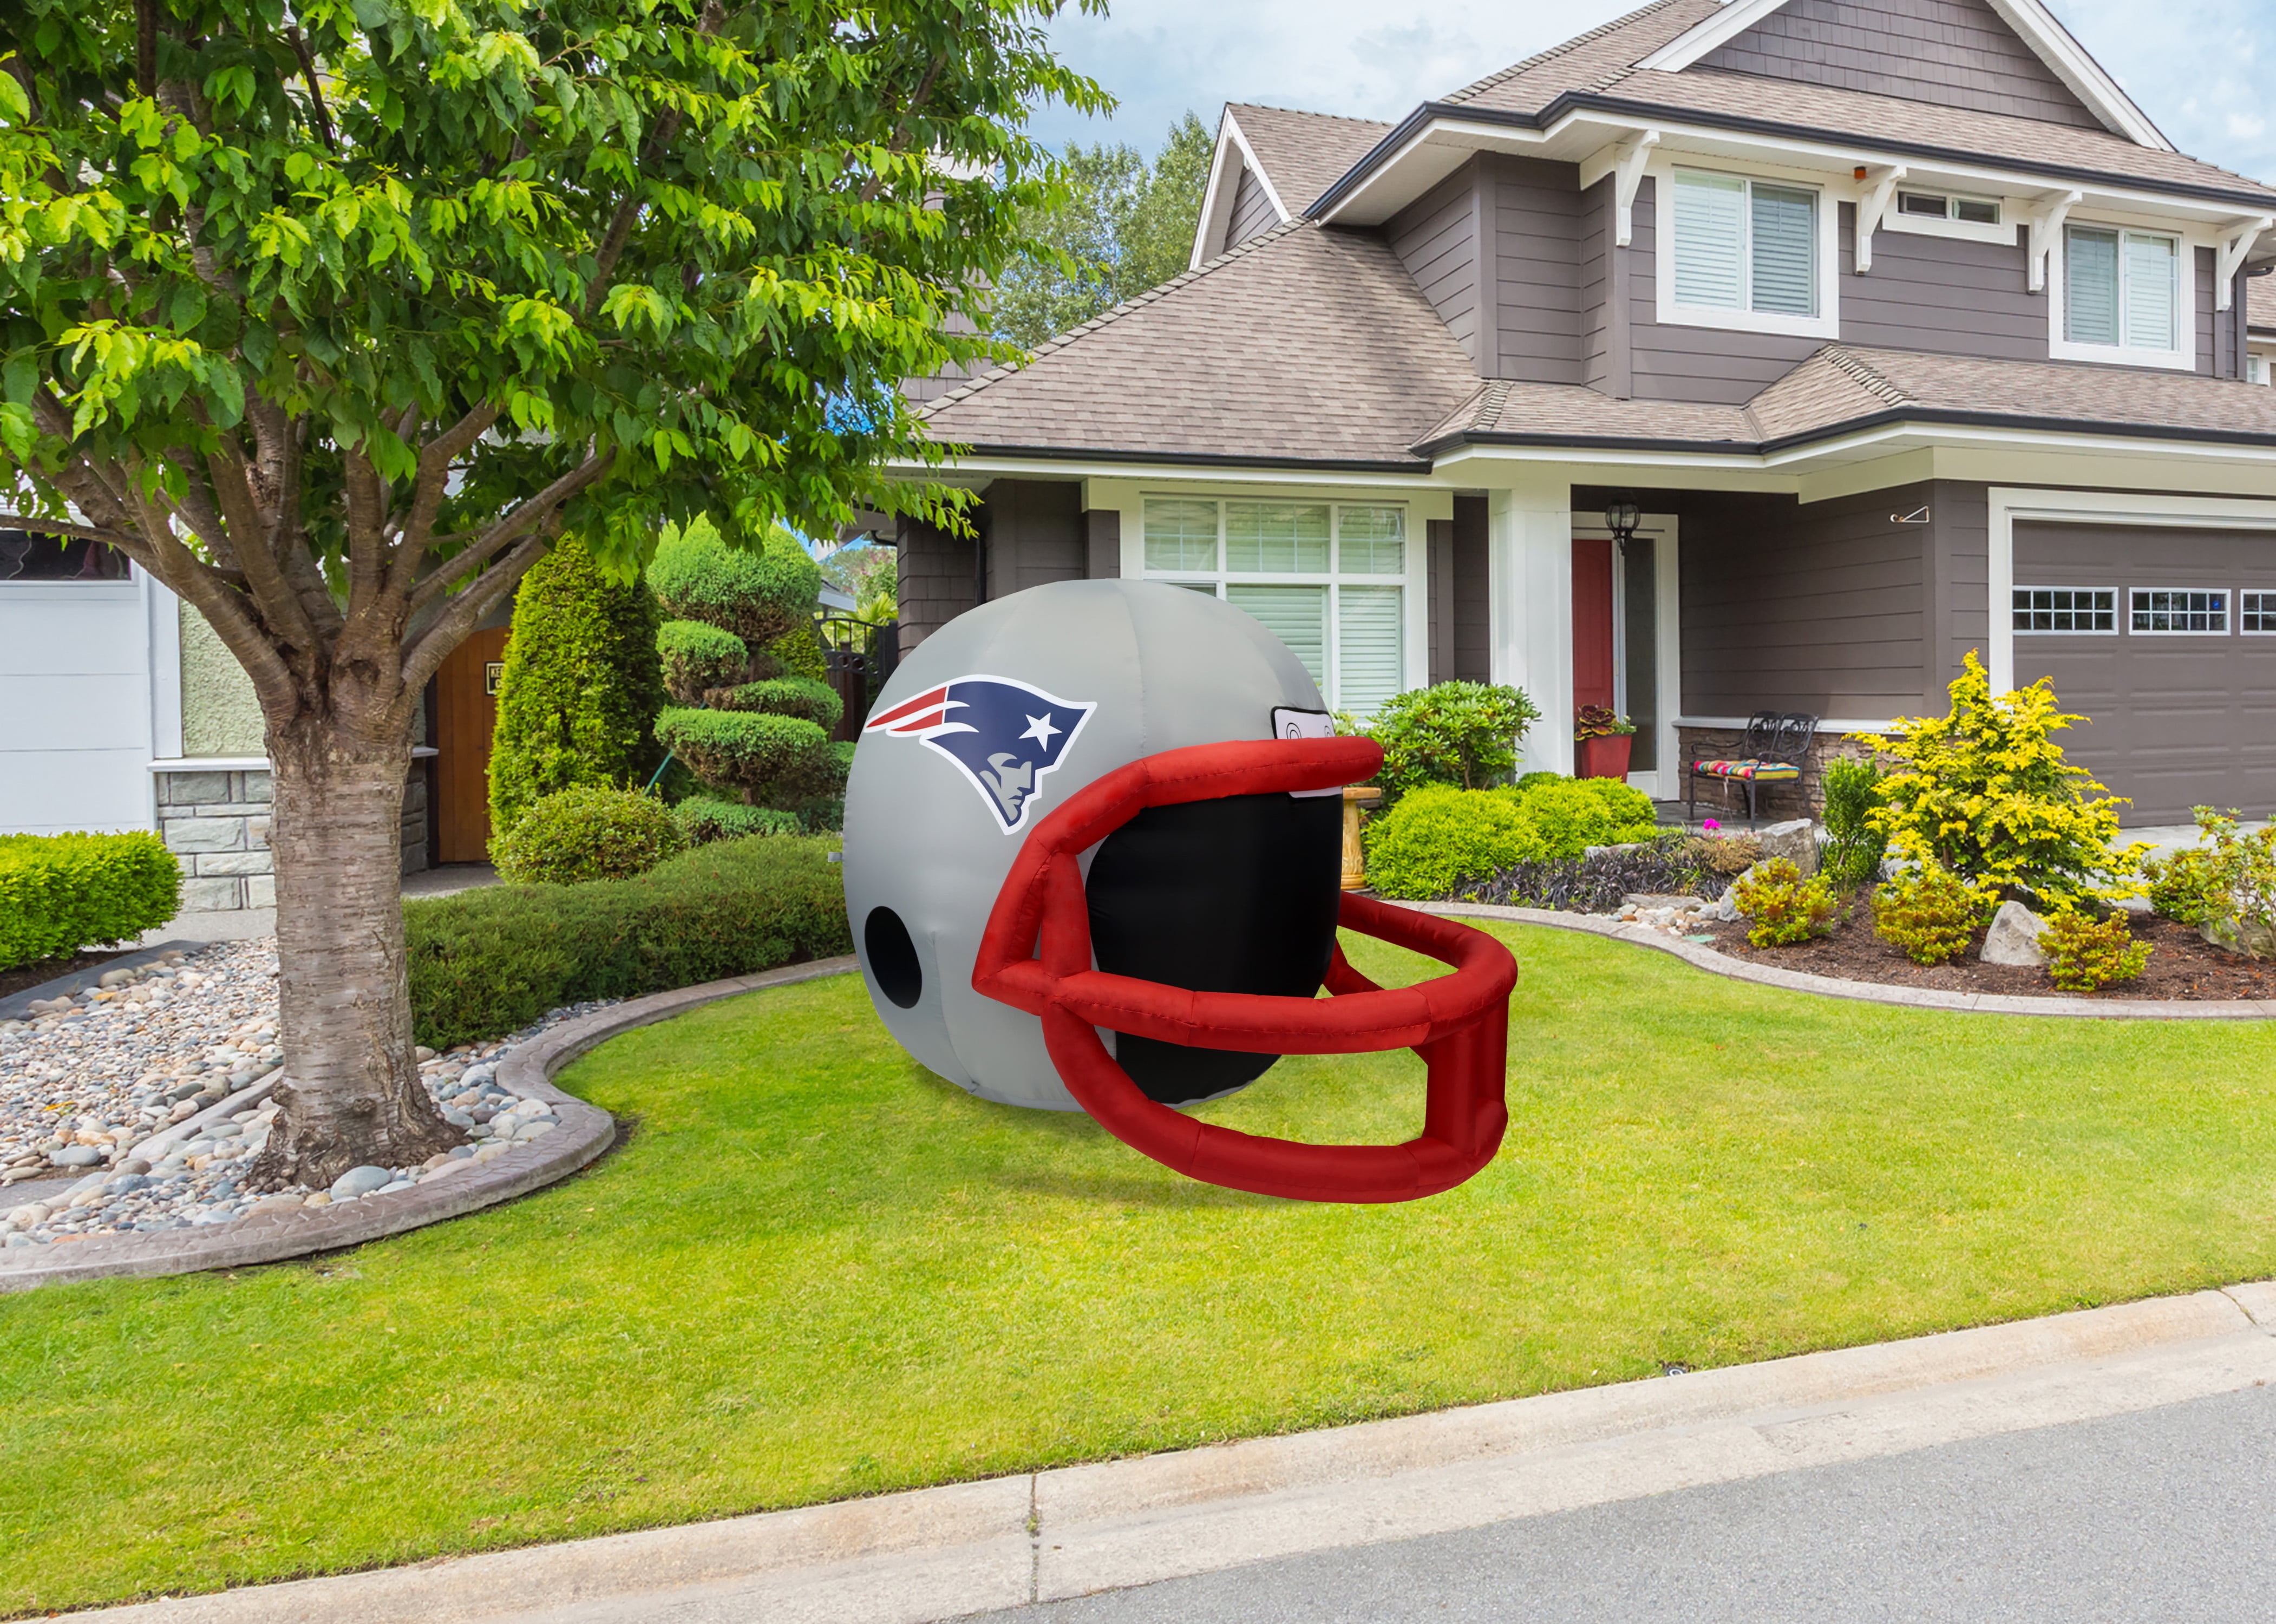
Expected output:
(1005, 735)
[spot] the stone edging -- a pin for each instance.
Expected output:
(2077, 1008)
(16, 1004)
(270, 1237)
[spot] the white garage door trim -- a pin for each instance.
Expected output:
(2009, 505)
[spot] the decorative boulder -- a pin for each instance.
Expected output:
(1725, 910)
(2256, 938)
(2015, 938)
(1795, 841)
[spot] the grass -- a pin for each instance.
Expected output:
(815, 1270)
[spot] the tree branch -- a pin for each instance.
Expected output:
(503, 532)
(57, 526)
(428, 490)
(426, 656)
(665, 130)
(315, 90)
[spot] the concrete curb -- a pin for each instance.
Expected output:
(2077, 1008)
(939, 1553)
(271, 1237)
(13, 1006)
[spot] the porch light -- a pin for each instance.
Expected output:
(1621, 517)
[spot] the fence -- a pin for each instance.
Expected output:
(860, 656)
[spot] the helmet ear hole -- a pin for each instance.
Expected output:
(893, 962)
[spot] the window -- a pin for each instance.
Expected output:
(2066, 609)
(1745, 245)
(2256, 613)
(2123, 289)
(2256, 370)
(55, 557)
(1937, 205)
(2158, 610)
(1327, 578)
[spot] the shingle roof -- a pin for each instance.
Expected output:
(1304, 345)
(1602, 65)
(2260, 303)
(1304, 153)
(1841, 387)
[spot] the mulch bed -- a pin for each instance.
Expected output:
(23, 976)
(2184, 967)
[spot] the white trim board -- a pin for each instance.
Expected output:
(1216, 220)
(2048, 40)
(2008, 505)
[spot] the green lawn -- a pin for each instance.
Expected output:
(815, 1271)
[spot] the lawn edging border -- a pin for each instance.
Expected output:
(586, 1131)
(1864, 991)
(16, 1006)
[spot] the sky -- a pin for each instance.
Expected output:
(2205, 72)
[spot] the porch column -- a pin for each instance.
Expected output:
(1530, 528)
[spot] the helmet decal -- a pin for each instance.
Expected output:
(1002, 734)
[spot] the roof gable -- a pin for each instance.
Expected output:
(1946, 49)
(1278, 158)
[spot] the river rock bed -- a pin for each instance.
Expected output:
(177, 1060)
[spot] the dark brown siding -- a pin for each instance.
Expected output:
(1035, 535)
(1602, 348)
(1823, 608)
(2208, 331)
(935, 570)
(1536, 227)
(1472, 606)
(1101, 530)
(1955, 53)
(1702, 364)
(1252, 209)
(1436, 239)
(1945, 296)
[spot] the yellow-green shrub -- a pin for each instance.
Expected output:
(59, 893)
(2085, 954)
(1784, 907)
(1435, 838)
(1928, 914)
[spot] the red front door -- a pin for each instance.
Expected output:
(1592, 623)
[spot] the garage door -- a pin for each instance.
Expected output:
(2166, 640)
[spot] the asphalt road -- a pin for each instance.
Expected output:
(2166, 1515)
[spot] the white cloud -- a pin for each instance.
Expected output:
(2193, 73)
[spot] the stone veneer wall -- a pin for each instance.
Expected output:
(1803, 797)
(216, 824)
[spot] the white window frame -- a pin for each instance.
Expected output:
(2117, 612)
(2228, 616)
(1825, 325)
(2012, 212)
(2264, 607)
(2060, 346)
(1413, 583)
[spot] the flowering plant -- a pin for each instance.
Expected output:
(1599, 722)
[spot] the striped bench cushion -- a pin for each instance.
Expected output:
(1761, 772)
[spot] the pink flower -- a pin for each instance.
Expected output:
(1711, 825)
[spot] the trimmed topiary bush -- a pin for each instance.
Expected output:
(488, 962)
(789, 696)
(1435, 838)
(589, 833)
(758, 593)
(579, 697)
(59, 893)
(770, 758)
(698, 659)
(706, 818)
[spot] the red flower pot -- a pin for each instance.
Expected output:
(1606, 757)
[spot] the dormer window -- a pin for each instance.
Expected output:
(1942, 206)
(2123, 289)
(1745, 245)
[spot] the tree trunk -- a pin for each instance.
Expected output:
(350, 1094)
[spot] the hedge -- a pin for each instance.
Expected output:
(488, 962)
(59, 893)
(577, 836)
(1438, 839)
(706, 818)
(772, 756)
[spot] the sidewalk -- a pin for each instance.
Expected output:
(243, 924)
(940, 1553)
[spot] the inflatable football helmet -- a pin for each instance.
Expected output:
(1093, 861)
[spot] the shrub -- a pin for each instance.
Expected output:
(758, 592)
(1784, 907)
(1570, 815)
(578, 696)
(773, 758)
(698, 659)
(1928, 914)
(706, 818)
(1460, 733)
(59, 893)
(1727, 855)
(789, 696)
(2085, 954)
(484, 963)
(574, 836)
(1985, 793)
(1436, 838)
(1598, 884)
(1853, 847)
(1532, 778)
(2226, 887)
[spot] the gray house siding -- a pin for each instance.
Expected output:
(1954, 53)
(1436, 238)
(2208, 318)
(1472, 594)
(1598, 270)
(1035, 534)
(1939, 294)
(1252, 209)
(1959, 542)
(1536, 227)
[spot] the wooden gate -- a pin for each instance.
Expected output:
(466, 713)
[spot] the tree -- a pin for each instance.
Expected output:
(577, 702)
(329, 315)
(1125, 226)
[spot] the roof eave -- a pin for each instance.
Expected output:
(1899, 416)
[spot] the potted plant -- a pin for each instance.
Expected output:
(1604, 737)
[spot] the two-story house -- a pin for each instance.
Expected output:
(1907, 330)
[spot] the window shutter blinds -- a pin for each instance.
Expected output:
(1181, 536)
(1786, 250)
(1368, 666)
(1711, 240)
(2150, 292)
(1298, 616)
(2091, 287)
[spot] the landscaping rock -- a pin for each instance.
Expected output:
(1795, 841)
(360, 1181)
(2013, 937)
(2253, 939)
(75, 1156)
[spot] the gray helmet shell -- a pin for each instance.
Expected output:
(929, 836)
